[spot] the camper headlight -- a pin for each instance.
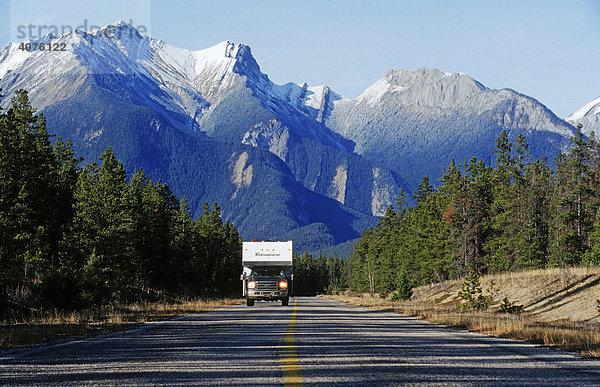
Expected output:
(283, 284)
(251, 284)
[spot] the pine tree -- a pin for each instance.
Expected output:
(184, 246)
(81, 236)
(28, 192)
(498, 246)
(424, 189)
(572, 203)
(102, 231)
(532, 237)
(470, 195)
(67, 174)
(592, 256)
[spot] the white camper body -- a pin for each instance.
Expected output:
(266, 254)
(259, 258)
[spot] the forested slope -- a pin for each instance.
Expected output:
(517, 214)
(76, 235)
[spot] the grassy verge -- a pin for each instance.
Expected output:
(52, 327)
(580, 337)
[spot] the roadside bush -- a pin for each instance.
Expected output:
(507, 306)
(404, 287)
(21, 294)
(472, 294)
(61, 289)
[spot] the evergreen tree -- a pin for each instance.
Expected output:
(311, 274)
(28, 194)
(532, 236)
(184, 246)
(67, 174)
(103, 227)
(424, 189)
(470, 196)
(427, 242)
(498, 246)
(572, 200)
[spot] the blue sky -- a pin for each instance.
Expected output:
(547, 49)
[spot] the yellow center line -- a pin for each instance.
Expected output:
(289, 357)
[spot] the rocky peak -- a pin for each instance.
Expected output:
(423, 87)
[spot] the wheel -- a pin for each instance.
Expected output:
(249, 302)
(285, 301)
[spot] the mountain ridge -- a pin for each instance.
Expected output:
(114, 86)
(104, 99)
(407, 118)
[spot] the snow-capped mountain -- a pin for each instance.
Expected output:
(219, 91)
(277, 158)
(182, 82)
(415, 122)
(588, 116)
(197, 120)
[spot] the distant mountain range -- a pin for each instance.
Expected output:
(283, 161)
(416, 122)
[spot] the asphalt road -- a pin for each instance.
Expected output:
(313, 341)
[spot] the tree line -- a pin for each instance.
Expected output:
(73, 236)
(319, 275)
(517, 214)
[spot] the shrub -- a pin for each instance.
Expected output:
(472, 294)
(61, 288)
(404, 287)
(507, 306)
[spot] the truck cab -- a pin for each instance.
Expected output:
(267, 271)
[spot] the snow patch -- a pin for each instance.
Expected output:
(221, 58)
(301, 95)
(376, 91)
(94, 135)
(590, 108)
(11, 58)
(315, 96)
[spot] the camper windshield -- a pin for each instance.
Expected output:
(263, 272)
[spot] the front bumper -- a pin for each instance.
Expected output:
(267, 294)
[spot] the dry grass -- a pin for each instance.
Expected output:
(546, 295)
(55, 326)
(546, 291)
